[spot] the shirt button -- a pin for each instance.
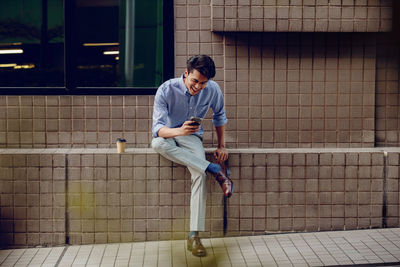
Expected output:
(190, 108)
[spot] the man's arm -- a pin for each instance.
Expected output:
(219, 120)
(185, 129)
(221, 153)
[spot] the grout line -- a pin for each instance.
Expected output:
(351, 244)
(66, 201)
(366, 244)
(379, 244)
(61, 256)
(22, 255)
(311, 247)
(4, 257)
(384, 191)
(269, 251)
(368, 264)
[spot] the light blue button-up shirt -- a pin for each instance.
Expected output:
(173, 105)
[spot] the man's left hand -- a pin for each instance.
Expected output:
(221, 154)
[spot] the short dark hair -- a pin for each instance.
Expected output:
(203, 64)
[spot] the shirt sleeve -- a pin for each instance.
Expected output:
(218, 107)
(160, 112)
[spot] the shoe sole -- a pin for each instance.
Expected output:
(200, 255)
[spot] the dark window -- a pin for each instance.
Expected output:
(85, 46)
(31, 44)
(119, 43)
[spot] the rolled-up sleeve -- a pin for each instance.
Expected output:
(218, 107)
(160, 112)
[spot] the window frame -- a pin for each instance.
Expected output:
(69, 87)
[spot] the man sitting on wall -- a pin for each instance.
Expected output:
(179, 106)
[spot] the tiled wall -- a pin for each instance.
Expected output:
(74, 121)
(388, 91)
(281, 90)
(300, 90)
(302, 16)
(100, 196)
(32, 202)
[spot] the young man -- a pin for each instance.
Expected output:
(179, 139)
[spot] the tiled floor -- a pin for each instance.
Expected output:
(362, 247)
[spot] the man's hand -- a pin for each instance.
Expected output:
(221, 154)
(187, 129)
(184, 130)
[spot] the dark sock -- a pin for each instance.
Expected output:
(213, 168)
(192, 233)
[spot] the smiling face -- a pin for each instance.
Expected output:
(195, 81)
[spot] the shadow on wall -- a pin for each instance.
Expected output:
(299, 89)
(6, 227)
(396, 24)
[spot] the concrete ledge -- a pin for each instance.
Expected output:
(86, 196)
(208, 150)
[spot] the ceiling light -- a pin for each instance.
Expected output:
(99, 44)
(11, 51)
(111, 52)
(11, 65)
(27, 66)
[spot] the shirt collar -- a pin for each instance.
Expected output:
(182, 86)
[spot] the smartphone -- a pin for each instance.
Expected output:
(196, 121)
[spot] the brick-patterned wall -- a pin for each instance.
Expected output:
(74, 121)
(281, 90)
(32, 202)
(99, 196)
(302, 16)
(387, 124)
(300, 90)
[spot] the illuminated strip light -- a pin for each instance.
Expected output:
(11, 51)
(11, 65)
(28, 66)
(15, 66)
(99, 44)
(111, 52)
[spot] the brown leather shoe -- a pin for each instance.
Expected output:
(225, 182)
(196, 247)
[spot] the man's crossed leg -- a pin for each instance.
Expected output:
(189, 151)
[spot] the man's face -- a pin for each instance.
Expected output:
(195, 81)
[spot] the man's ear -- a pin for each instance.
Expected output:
(186, 73)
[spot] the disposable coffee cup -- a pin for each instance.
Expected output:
(121, 143)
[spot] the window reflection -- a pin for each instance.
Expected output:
(31, 45)
(116, 43)
(119, 43)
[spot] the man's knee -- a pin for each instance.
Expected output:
(198, 177)
(159, 144)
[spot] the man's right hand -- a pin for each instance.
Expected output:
(187, 129)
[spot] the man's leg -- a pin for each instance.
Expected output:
(189, 151)
(180, 153)
(198, 189)
(198, 195)
(192, 147)
(198, 199)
